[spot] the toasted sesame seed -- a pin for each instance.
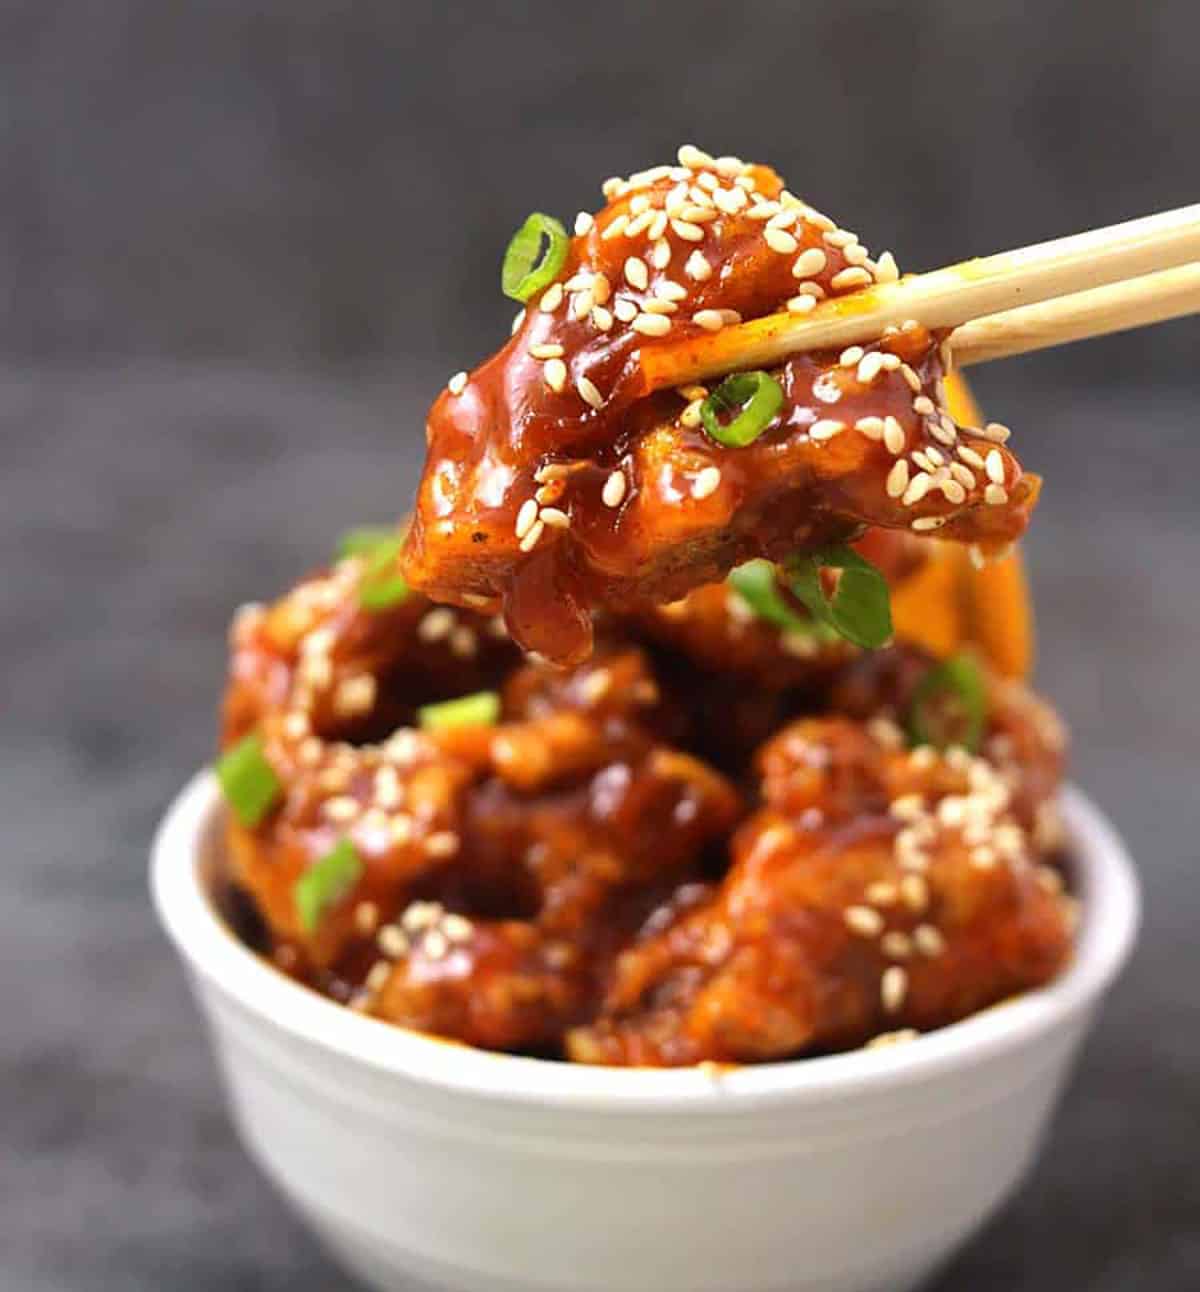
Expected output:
(706, 482)
(526, 518)
(530, 540)
(443, 843)
(850, 357)
(391, 941)
(923, 405)
(785, 219)
(554, 517)
(612, 186)
(697, 268)
(764, 209)
(552, 298)
(625, 310)
(893, 987)
(342, 808)
(366, 917)
(910, 376)
(695, 214)
(584, 224)
(881, 893)
(918, 487)
(657, 227)
(928, 940)
(863, 920)
(546, 351)
(996, 495)
(730, 317)
(688, 231)
(636, 273)
(802, 304)
(690, 416)
(855, 276)
(809, 263)
(969, 455)
(839, 237)
(996, 432)
(894, 439)
(810, 287)
(601, 288)
(871, 427)
(943, 429)
(435, 945)
(640, 223)
(457, 927)
(896, 945)
(660, 253)
(825, 428)
(963, 475)
(897, 479)
(953, 491)
(602, 319)
(657, 305)
(691, 392)
(855, 253)
(908, 807)
(915, 893)
(709, 320)
(652, 324)
(994, 465)
(457, 384)
(615, 227)
(354, 695)
(581, 304)
(596, 685)
(614, 489)
(869, 367)
(670, 290)
(886, 269)
(730, 200)
(588, 392)
(695, 158)
(554, 373)
(779, 240)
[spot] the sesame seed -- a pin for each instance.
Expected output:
(588, 392)
(602, 318)
(457, 927)
(526, 518)
(953, 491)
(457, 384)
(706, 482)
(855, 254)
(923, 405)
(697, 214)
(391, 941)
(869, 367)
(871, 427)
(342, 808)
(550, 472)
(945, 431)
(687, 231)
(601, 288)
(910, 376)
(915, 893)
(996, 495)
(994, 464)
(660, 253)
(530, 540)
(918, 487)
(581, 305)
(849, 358)
(636, 273)
(552, 298)
(612, 186)
(969, 455)
(852, 277)
(897, 479)
(518, 319)
(729, 166)
(709, 320)
(809, 263)
(802, 304)
(443, 843)
(886, 269)
(380, 972)
(963, 475)
(354, 695)
(640, 223)
(546, 351)
(695, 158)
(863, 920)
(555, 374)
(614, 489)
(366, 917)
(625, 310)
(657, 305)
(584, 223)
(810, 287)
(730, 200)
(928, 940)
(730, 316)
(894, 439)
(881, 893)
(763, 210)
(839, 237)
(818, 219)
(779, 240)
(785, 219)
(902, 1036)
(554, 517)
(596, 685)
(996, 432)
(924, 524)
(435, 944)
(896, 945)
(615, 228)
(690, 416)
(893, 987)
(983, 857)
(697, 268)
(825, 428)
(652, 324)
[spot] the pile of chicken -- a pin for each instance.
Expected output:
(714, 840)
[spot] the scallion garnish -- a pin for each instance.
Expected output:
(382, 585)
(326, 882)
(248, 781)
(757, 583)
(478, 710)
(860, 609)
(527, 268)
(949, 706)
(755, 397)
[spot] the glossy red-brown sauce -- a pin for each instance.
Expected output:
(504, 444)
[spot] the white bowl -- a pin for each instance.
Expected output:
(420, 1160)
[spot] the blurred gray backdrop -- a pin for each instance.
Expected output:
(242, 243)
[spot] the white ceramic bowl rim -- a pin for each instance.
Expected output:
(1103, 874)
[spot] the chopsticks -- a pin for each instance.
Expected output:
(1124, 261)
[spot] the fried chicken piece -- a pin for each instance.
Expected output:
(850, 910)
(556, 482)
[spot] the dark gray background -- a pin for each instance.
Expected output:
(241, 245)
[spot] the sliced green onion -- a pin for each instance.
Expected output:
(478, 710)
(757, 583)
(860, 609)
(248, 781)
(756, 396)
(326, 882)
(949, 707)
(383, 585)
(527, 269)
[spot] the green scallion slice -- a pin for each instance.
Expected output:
(248, 781)
(754, 398)
(860, 609)
(383, 585)
(478, 710)
(949, 707)
(528, 267)
(757, 583)
(326, 882)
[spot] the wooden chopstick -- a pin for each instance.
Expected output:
(944, 298)
(1153, 298)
